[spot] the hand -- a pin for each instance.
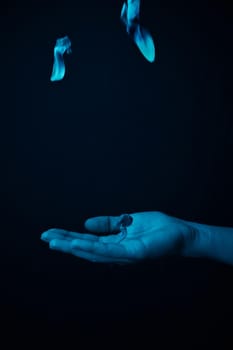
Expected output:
(151, 235)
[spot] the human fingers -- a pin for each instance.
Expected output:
(123, 251)
(67, 247)
(56, 233)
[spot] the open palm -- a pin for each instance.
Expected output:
(151, 234)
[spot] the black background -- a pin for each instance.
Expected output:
(117, 134)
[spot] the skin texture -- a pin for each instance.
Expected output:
(150, 235)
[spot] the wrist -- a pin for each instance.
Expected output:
(198, 241)
(211, 242)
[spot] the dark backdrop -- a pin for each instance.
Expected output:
(117, 134)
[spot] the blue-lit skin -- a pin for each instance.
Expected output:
(140, 35)
(149, 235)
(62, 45)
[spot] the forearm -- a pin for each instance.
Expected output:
(211, 242)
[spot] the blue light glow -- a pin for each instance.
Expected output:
(62, 45)
(141, 37)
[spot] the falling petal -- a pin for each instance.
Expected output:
(133, 10)
(141, 36)
(62, 45)
(145, 43)
(124, 13)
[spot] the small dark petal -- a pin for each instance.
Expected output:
(126, 220)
